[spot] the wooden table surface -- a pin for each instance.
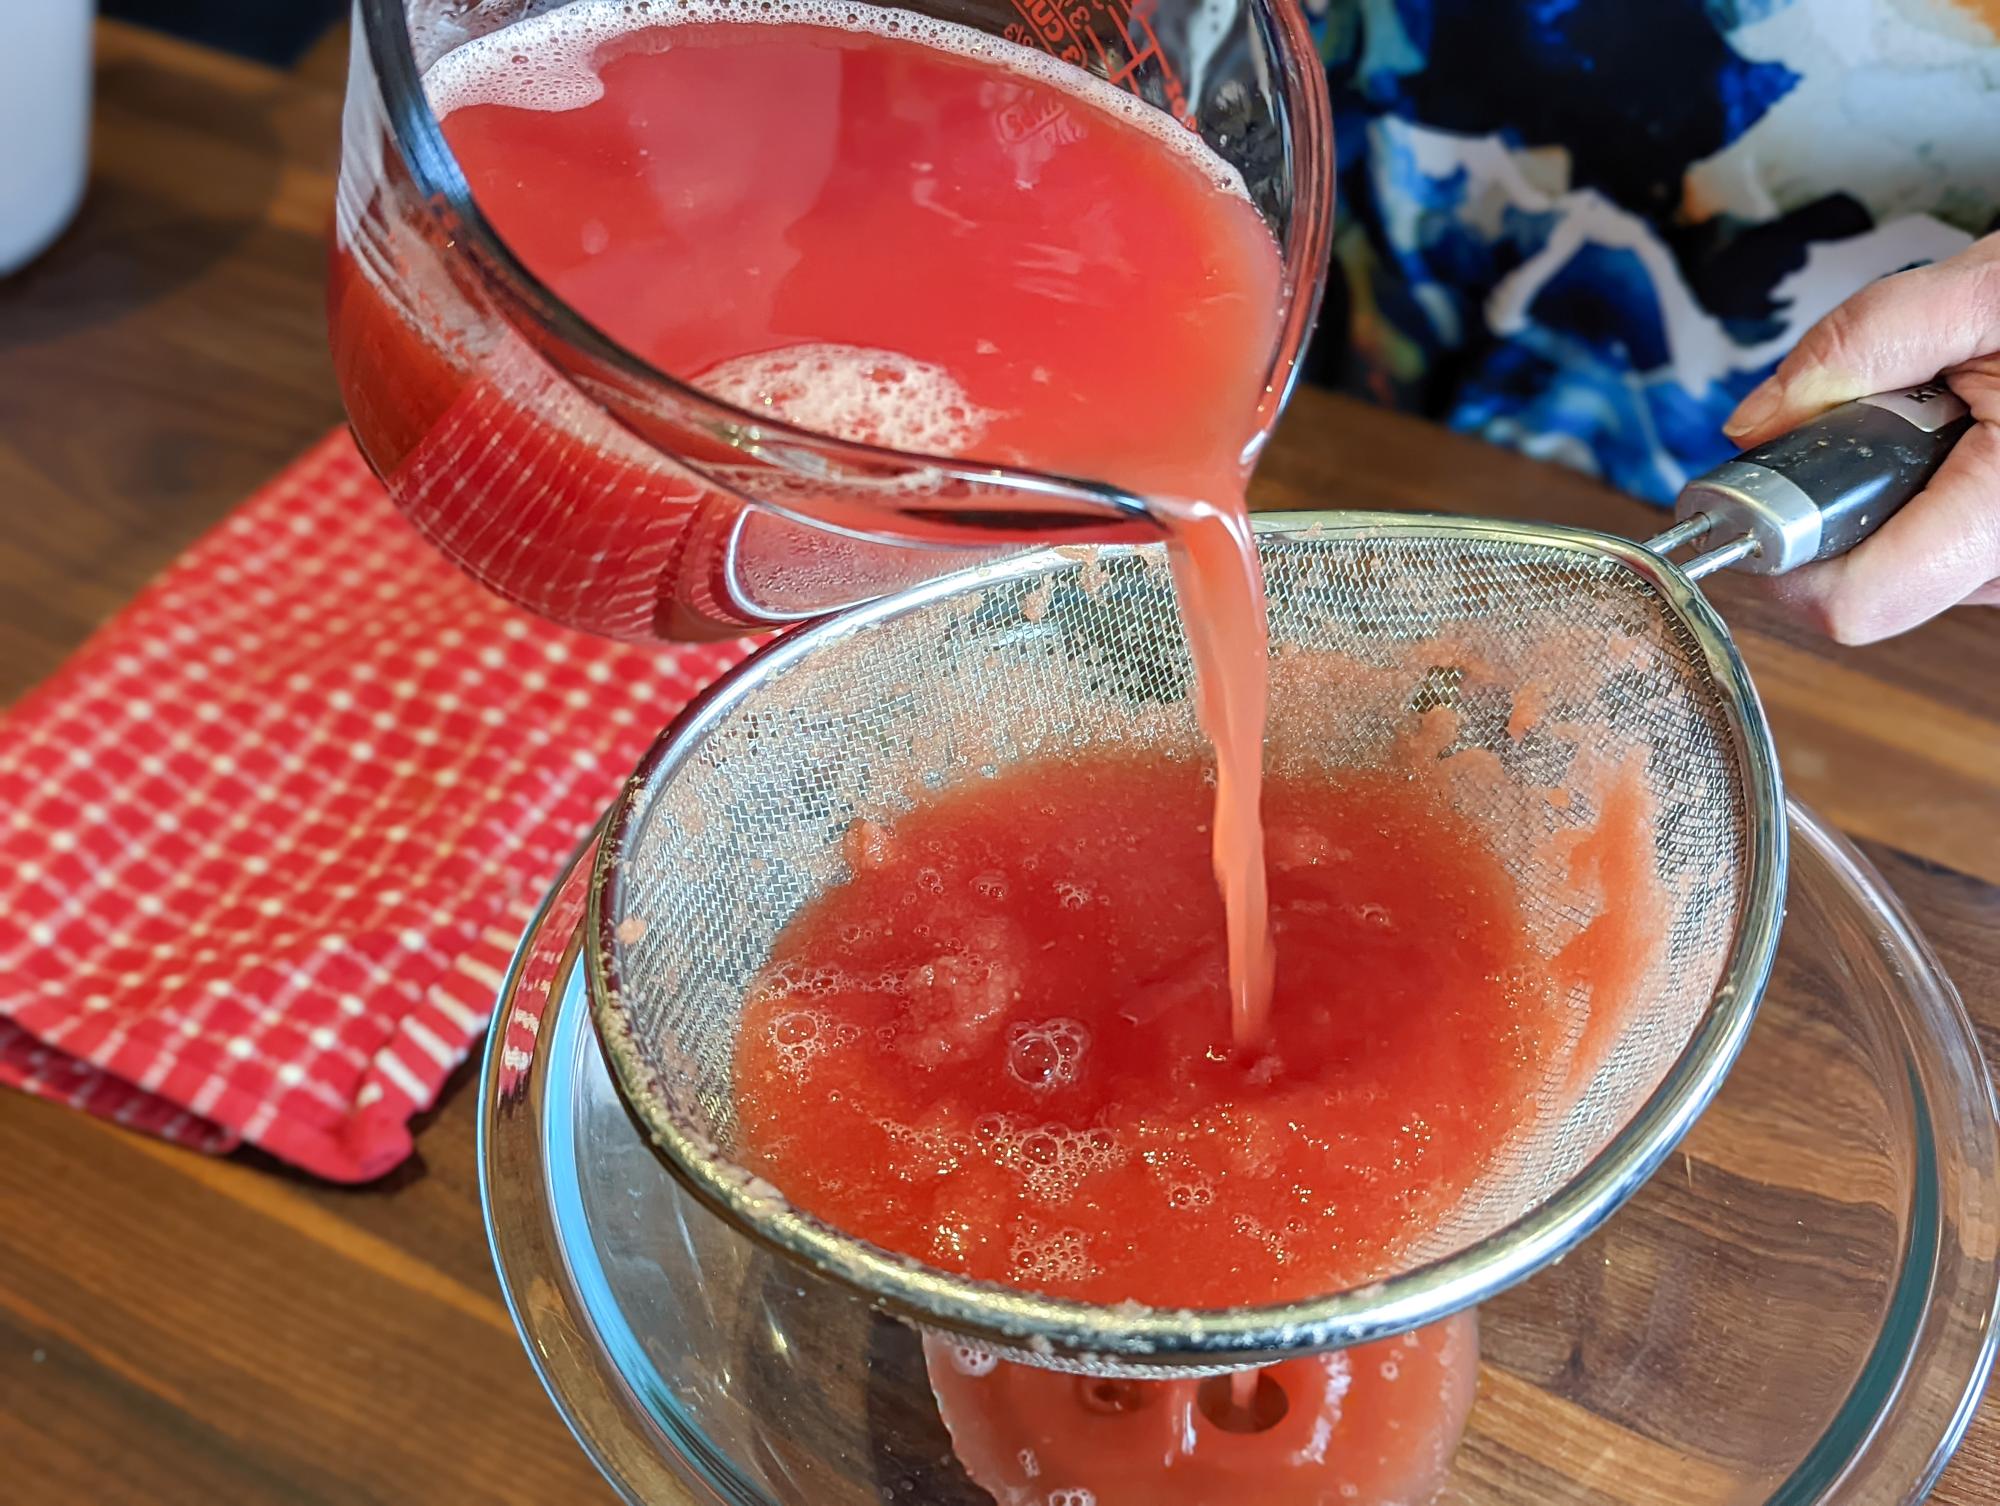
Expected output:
(179, 1329)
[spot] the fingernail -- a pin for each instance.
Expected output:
(1756, 408)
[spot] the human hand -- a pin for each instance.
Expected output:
(1943, 548)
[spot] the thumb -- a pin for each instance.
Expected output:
(1897, 332)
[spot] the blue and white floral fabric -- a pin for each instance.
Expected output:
(1585, 228)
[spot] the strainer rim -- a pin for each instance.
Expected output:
(1129, 1335)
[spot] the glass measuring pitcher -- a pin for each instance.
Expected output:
(563, 470)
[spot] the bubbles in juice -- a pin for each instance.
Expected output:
(1006, 1083)
(869, 396)
(1370, 1426)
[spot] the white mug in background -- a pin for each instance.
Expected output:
(44, 122)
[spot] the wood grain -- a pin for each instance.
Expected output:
(174, 1329)
(169, 353)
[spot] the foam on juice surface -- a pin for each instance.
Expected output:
(867, 396)
(1048, 1095)
(550, 62)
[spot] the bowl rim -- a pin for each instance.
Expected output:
(652, 1454)
(1139, 1340)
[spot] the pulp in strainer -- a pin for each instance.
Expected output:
(1003, 1044)
(1542, 685)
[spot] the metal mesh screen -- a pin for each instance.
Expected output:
(1082, 650)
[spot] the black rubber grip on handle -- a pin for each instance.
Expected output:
(1859, 463)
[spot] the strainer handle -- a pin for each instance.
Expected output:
(1821, 489)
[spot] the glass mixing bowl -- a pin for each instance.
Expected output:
(1798, 1308)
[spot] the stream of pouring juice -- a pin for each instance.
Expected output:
(901, 231)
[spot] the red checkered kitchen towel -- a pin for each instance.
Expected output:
(267, 841)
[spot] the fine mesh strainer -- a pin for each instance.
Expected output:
(1563, 661)
(734, 821)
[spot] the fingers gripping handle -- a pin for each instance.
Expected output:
(1823, 488)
